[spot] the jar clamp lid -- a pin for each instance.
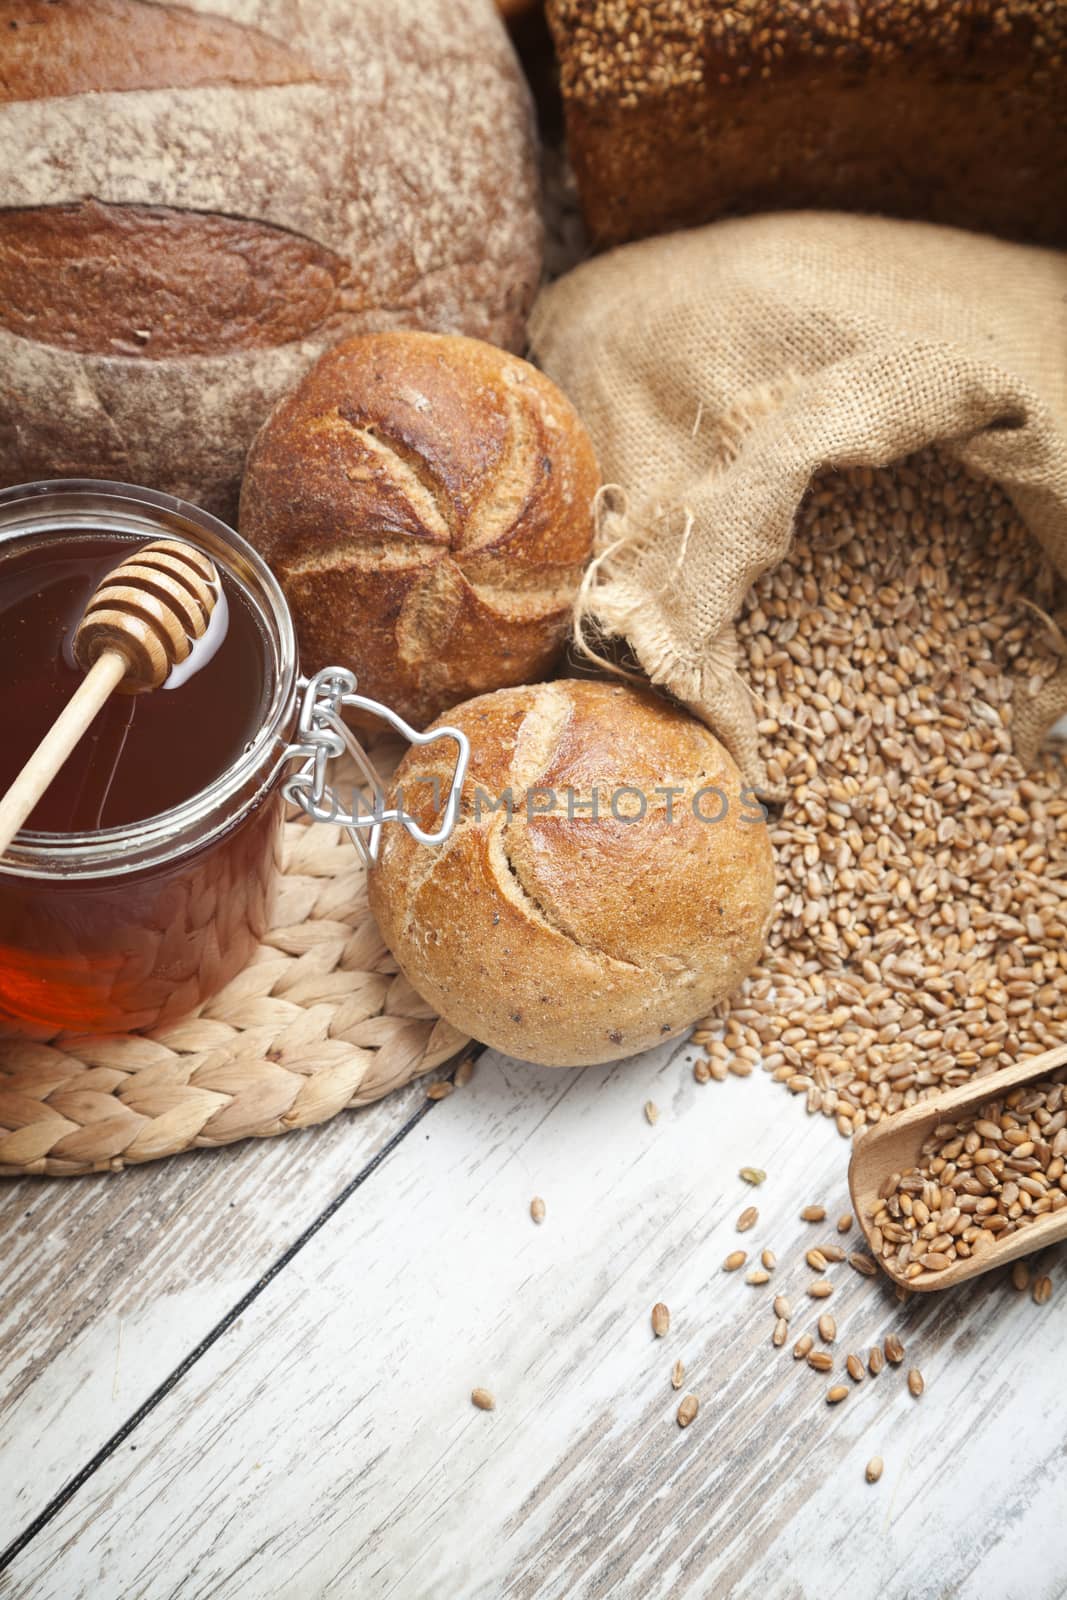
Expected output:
(323, 735)
(318, 736)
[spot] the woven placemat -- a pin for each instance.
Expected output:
(320, 1020)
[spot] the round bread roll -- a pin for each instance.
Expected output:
(197, 200)
(558, 936)
(427, 504)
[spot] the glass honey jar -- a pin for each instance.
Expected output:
(144, 880)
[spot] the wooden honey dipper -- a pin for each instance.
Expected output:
(140, 622)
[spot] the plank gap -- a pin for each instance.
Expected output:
(70, 1489)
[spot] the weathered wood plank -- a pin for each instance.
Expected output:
(107, 1283)
(326, 1445)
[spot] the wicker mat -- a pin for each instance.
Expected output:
(319, 1021)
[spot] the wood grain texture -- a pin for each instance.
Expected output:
(107, 1283)
(327, 1444)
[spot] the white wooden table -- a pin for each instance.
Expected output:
(248, 1373)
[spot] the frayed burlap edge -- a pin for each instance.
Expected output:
(612, 602)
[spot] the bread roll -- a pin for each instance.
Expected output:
(684, 111)
(197, 200)
(427, 504)
(557, 936)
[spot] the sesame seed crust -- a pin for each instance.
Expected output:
(681, 111)
(612, 50)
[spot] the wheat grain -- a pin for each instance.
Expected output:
(978, 1180)
(921, 907)
(688, 1410)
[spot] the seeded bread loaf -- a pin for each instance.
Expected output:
(426, 502)
(557, 935)
(682, 111)
(196, 201)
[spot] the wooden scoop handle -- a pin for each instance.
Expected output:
(139, 623)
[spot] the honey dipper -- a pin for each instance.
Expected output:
(140, 622)
(891, 1147)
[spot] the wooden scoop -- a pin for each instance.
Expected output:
(894, 1145)
(140, 622)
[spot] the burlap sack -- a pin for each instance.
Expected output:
(718, 369)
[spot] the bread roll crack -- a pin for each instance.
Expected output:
(410, 474)
(538, 737)
(551, 919)
(497, 517)
(400, 552)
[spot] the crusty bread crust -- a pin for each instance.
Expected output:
(557, 937)
(427, 504)
(197, 200)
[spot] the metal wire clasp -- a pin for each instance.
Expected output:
(323, 734)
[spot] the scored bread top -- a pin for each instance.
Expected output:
(97, 45)
(560, 937)
(197, 200)
(427, 504)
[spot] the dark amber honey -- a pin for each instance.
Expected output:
(144, 753)
(143, 932)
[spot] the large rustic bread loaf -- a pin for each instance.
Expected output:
(427, 503)
(683, 111)
(559, 936)
(196, 201)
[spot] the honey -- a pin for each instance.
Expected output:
(144, 878)
(144, 753)
(112, 954)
